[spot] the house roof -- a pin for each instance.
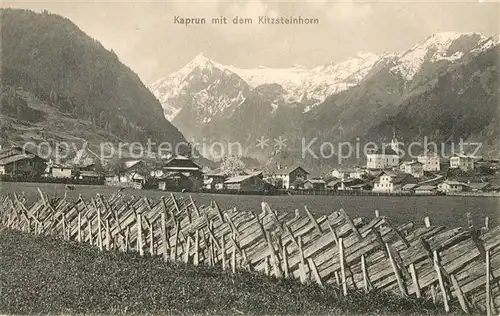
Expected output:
(180, 163)
(360, 185)
(478, 185)
(409, 186)
(253, 172)
(131, 163)
(351, 182)
(409, 163)
(89, 173)
(333, 183)
(214, 175)
(400, 178)
(384, 151)
(289, 170)
(238, 179)
(317, 181)
(14, 158)
(453, 182)
(345, 170)
(426, 187)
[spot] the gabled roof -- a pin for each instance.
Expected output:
(180, 163)
(384, 151)
(409, 163)
(14, 158)
(426, 187)
(287, 171)
(131, 163)
(409, 186)
(478, 185)
(238, 179)
(315, 181)
(453, 182)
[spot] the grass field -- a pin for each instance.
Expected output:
(448, 211)
(47, 275)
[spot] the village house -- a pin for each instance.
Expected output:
(464, 162)
(451, 186)
(214, 181)
(383, 158)
(355, 184)
(314, 184)
(56, 170)
(344, 174)
(245, 183)
(175, 181)
(415, 168)
(334, 185)
(430, 160)
(479, 186)
(290, 175)
(15, 161)
(175, 166)
(129, 174)
(392, 182)
(426, 190)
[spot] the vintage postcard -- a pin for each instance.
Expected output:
(250, 157)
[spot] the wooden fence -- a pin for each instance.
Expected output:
(450, 266)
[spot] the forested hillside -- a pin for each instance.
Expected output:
(52, 72)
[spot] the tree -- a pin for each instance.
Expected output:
(232, 166)
(116, 166)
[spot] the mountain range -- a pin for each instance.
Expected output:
(444, 88)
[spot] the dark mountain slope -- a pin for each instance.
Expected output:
(73, 76)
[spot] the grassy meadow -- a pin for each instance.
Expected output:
(45, 275)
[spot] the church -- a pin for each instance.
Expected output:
(385, 157)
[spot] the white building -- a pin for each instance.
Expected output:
(431, 161)
(464, 162)
(344, 174)
(451, 186)
(392, 182)
(415, 168)
(385, 157)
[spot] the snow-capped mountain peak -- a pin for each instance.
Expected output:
(216, 87)
(434, 48)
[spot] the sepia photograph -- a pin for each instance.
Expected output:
(250, 157)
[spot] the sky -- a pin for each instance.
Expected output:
(144, 36)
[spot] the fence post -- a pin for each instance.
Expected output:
(164, 236)
(99, 229)
(365, 273)
(108, 235)
(233, 254)
(302, 262)
(151, 240)
(427, 221)
(342, 265)
(188, 245)
(196, 259)
(460, 294)
(488, 290)
(223, 244)
(79, 227)
(441, 282)
(414, 278)
(401, 285)
(285, 260)
(89, 227)
(139, 233)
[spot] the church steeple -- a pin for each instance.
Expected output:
(394, 141)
